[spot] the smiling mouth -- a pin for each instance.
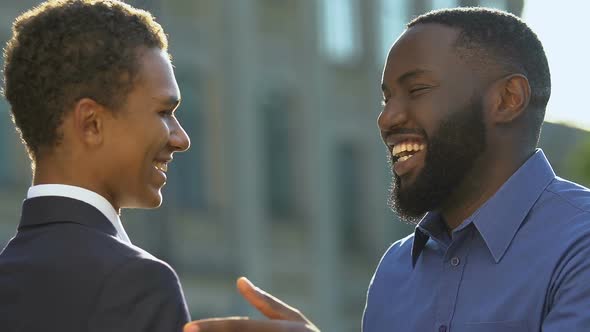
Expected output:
(161, 166)
(405, 150)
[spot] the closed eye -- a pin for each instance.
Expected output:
(417, 91)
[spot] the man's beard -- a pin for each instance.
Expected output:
(451, 154)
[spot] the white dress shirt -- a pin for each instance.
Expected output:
(85, 196)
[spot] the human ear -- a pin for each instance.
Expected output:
(88, 121)
(514, 97)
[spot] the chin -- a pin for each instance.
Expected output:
(152, 206)
(154, 202)
(149, 200)
(406, 182)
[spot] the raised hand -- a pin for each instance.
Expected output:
(284, 318)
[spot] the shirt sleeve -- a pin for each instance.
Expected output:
(142, 295)
(568, 302)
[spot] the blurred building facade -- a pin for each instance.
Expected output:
(286, 180)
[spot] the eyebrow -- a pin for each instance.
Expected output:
(411, 74)
(407, 76)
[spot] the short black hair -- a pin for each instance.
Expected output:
(64, 50)
(504, 40)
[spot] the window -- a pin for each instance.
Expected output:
(438, 4)
(188, 184)
(349, 196)
(8, 143)
(498, 4)
(15, 169)
(7, 129)
(393, 18)
(278, 155)
(340, 37)
(149, 5)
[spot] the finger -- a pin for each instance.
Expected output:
(267, 304)
(194, 326)
(240, 324)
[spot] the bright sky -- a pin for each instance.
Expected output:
(563, 29)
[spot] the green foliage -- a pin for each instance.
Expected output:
(578, 163)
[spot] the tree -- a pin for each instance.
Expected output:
(578, 163)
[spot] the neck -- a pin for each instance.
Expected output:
(489, 173)
(59, 169)
(63, 170)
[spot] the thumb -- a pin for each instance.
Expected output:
(267, 304)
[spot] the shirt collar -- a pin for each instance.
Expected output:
(500, 217)
(84, 195)
(430, 226)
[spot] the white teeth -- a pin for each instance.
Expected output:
(161, 166)
(404, 158)
(407, 146)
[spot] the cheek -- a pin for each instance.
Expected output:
(427, 113)
(154, 139)
(437, 106)
(154, 132)
(141, 143)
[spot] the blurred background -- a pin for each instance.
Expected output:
(286, 181)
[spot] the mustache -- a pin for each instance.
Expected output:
(404, 131)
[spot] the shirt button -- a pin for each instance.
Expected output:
(455, 262)
(442, 328)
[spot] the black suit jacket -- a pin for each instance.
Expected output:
(65, 270)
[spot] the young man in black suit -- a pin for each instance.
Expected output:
(93, 95)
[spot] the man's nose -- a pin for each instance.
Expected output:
(393, 115)
(179, 139)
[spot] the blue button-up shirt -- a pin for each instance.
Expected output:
(520, 263)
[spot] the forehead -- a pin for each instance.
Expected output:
(428, 47)
(156, 75)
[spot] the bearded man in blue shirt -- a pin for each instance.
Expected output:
(505, 244)
(501, 242)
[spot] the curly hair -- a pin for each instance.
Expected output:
(495, 38)
(64, 50)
